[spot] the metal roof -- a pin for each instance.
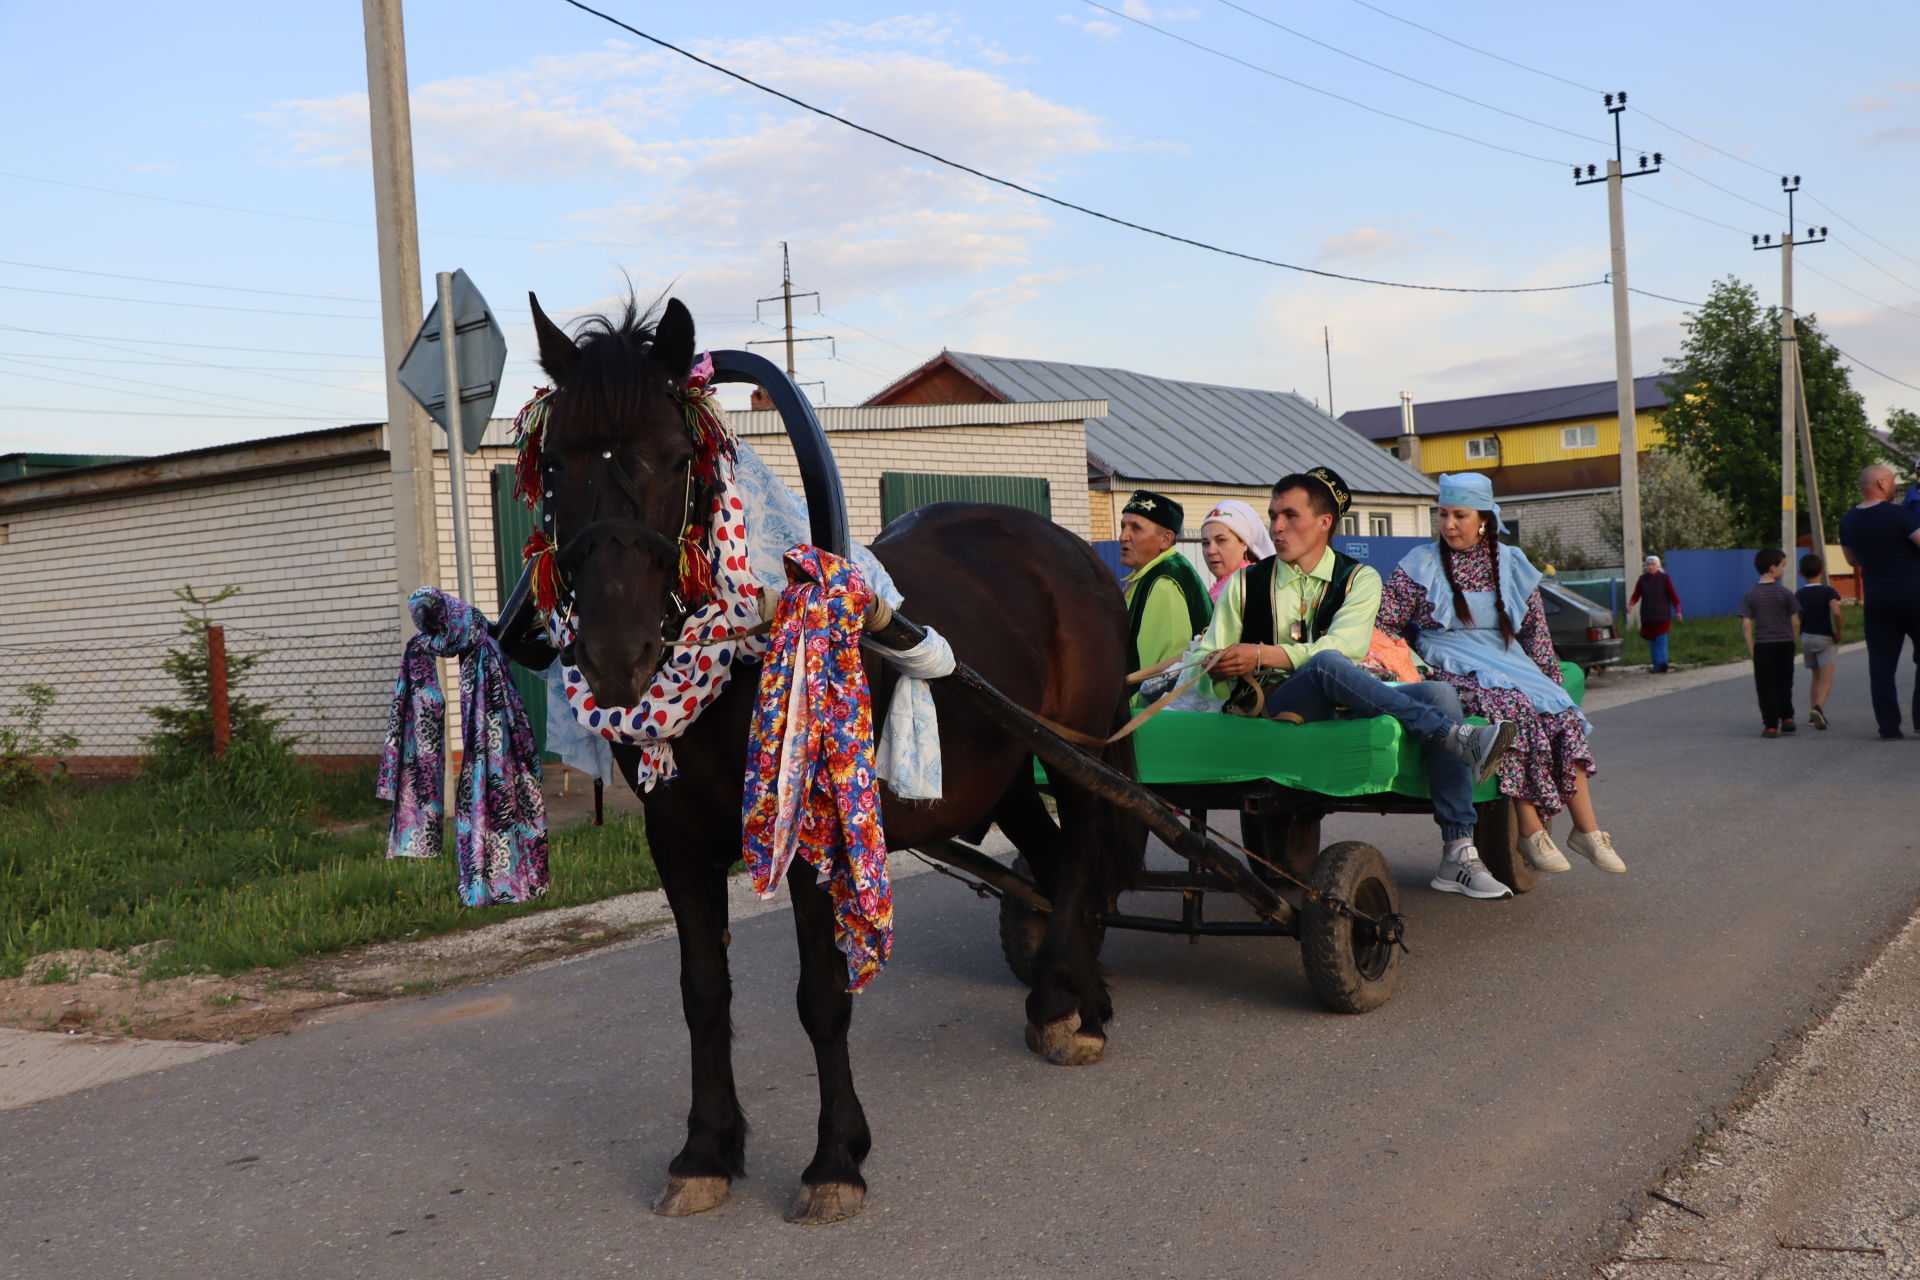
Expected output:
(1508, 409)
(1163, 430)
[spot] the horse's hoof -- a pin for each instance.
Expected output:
(1047, 1039)
(684, 1197)
(1081, 1050)
(827, 1202)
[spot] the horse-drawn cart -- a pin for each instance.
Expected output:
(1283, 780)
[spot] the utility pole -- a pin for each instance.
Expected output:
(416, 551)
(1615, 178)
(1326, 336)
(785, 297)
(1793, 413)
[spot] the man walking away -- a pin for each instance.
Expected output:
(1770, 618)
(1882, 540)
(1822, 632)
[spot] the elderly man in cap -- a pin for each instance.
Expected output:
(1298, 624)
(1167, 604)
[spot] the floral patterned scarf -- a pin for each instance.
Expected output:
(811, 787)
(500, 818)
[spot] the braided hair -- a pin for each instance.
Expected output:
(1490, 531)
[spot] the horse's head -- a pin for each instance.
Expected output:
(617, 463)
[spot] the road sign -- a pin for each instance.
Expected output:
(480, 352)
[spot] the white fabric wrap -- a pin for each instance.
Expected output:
(908, 756)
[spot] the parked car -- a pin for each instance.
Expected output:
(1583, 632)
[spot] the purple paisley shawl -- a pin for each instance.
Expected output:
(500, 817)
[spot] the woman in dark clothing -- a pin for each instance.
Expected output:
(1659, 608)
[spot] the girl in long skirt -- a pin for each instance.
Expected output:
(1478, 622)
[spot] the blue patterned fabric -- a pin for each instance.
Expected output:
(500, 817)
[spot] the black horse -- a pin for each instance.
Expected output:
(1022, 601)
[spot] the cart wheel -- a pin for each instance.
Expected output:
(1352, 968)
(1022, 928)
(1497, 835)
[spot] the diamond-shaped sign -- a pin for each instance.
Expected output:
(480, 351)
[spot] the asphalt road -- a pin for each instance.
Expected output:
(1542, 1061)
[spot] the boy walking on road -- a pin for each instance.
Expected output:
(1770, 620)
(1821, 634)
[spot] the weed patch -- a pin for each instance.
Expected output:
(255, 862)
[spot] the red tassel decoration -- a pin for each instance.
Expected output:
(529, 435)
(546, 573)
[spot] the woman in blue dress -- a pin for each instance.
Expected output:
(1475, 616)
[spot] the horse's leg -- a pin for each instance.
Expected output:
(715, 1153)
(831, 1188)
(1068, 1007)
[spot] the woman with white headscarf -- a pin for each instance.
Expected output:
(1478, 621)
(1231, 538)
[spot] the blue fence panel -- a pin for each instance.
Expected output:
(1710, 583)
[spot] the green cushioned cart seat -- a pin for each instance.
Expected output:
(1330, 757)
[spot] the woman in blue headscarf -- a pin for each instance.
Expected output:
(1474, 614)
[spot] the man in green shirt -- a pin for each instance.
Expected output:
(1298, 624)
(1167, 604)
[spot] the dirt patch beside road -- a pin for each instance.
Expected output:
(101, 991)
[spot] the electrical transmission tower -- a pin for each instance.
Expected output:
(1793, 391)
(785, 297)
(1614, 177)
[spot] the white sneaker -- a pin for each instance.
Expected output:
(1596, 847)
(1467, 874)
(1543, 853)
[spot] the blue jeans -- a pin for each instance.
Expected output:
(1657, 649)
(1329, 681)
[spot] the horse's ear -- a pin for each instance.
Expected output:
(673, 339)
(558, 353)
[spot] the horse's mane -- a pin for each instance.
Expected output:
(614, 380)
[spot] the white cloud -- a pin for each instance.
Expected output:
(1366, 244)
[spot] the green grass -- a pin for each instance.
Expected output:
(1699, 642)
(249, 868)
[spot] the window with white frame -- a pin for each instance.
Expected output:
(1379, 524)
(1350, 526)
(1482, 447)
(1587, 437)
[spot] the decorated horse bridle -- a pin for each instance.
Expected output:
(555, 563)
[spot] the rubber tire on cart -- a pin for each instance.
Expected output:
(1022, 928)
(1496, 834)
(1348, 972)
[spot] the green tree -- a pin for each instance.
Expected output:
(1677, 513)
(1723, 415)
(1903, 444)
(183, 735)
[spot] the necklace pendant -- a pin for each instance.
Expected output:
(1298, 630)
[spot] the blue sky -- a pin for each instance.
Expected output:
(167, 149)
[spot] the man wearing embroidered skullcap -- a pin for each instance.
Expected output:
(1297, 625)
(1167, 604)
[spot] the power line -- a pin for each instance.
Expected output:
(200, 346)
(163, 386)
(1485, 53)
(186, 284)
(158, 413)
(176, 362)
(1311, 88)
(1870, 369)
(197, 306)
(1377, 66)
(307, 217)
(1838, 217)
(1905, 284)
(1700, 217)
(1911, 315)
(1041, 195)
(1663, 297)
(85, 386)
(110, 346)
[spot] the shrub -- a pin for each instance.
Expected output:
(24, 740)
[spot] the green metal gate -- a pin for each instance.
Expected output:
(902, 491)
(512, 523)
